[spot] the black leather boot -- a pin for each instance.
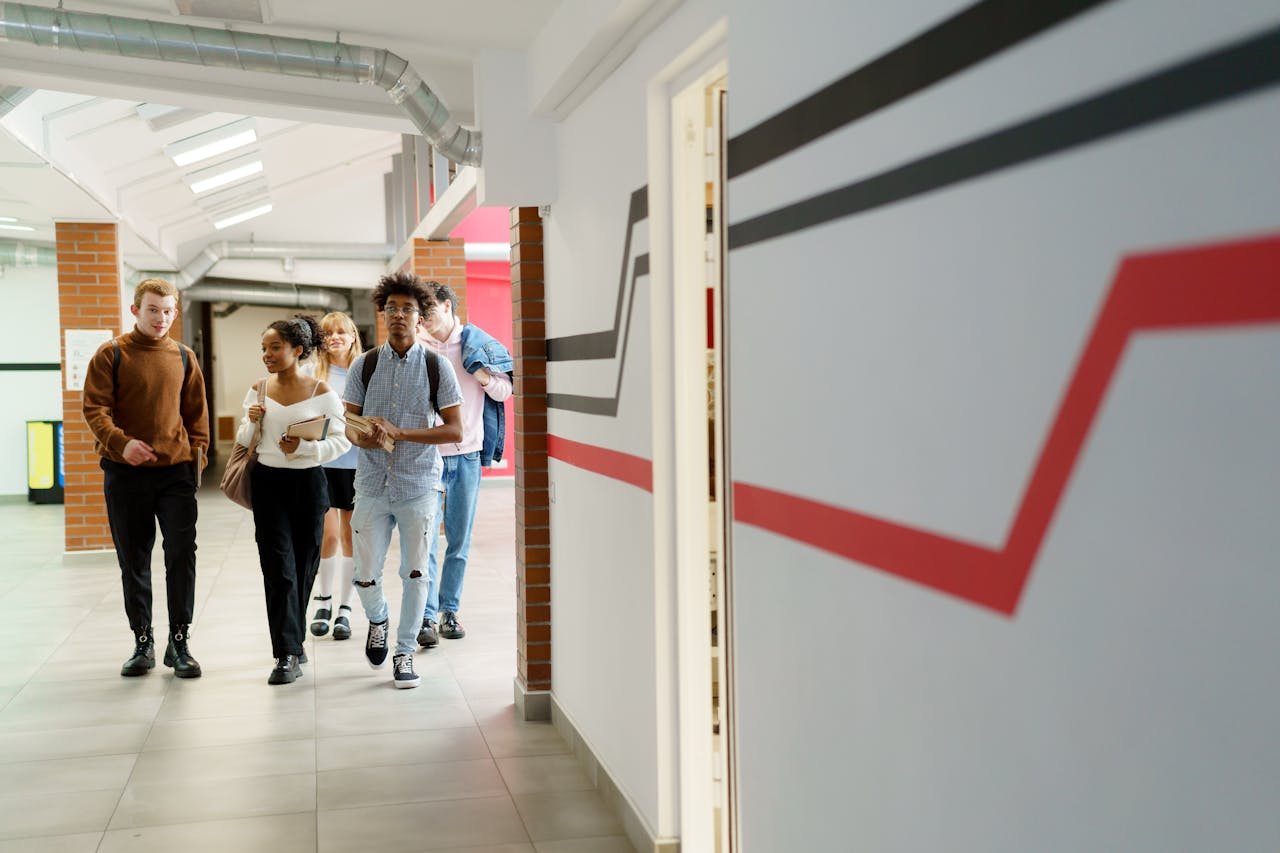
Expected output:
(178, 656)
(144, 653)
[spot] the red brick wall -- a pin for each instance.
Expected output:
(533, 507)
(89, 298)
(443, 261)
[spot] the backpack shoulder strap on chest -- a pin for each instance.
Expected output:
(368, 366)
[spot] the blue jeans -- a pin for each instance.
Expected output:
(461, 483)
(371, 526)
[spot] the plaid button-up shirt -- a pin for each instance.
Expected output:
(399, 392)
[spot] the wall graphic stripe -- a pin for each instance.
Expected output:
(22, 366)
(604, 405)
(1210, 78)
(610, 463)
(962, 41)
(592, 345)
(1233, 284)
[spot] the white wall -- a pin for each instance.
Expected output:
(30, 298)
(1130, 702)
(606, 603)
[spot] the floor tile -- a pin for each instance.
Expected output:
(539, 773)
(86, 842)
(57, 775)
(419, 747)
(23, 815)
(409, 783)
(286, 833)
(198, 800)
(236, 761)
(611, 844)
(566, 814)
(421, 826)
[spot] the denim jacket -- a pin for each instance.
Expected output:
(480, 349)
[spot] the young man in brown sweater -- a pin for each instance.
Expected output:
(144, 402)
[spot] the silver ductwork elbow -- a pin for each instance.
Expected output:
(169, 42)
(284, 296)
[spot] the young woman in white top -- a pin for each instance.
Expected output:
(290, 495)
(339, 346)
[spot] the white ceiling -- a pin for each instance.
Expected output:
(77, 149)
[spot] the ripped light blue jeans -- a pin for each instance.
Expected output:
(371, 524)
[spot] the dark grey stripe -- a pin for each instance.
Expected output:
(964, 40)
(606, 405)
(604, 344)
(52, 365)
(1208, 79)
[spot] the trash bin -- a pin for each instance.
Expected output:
(45, 474)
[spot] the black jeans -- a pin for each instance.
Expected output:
(288, 518)
(136, 499)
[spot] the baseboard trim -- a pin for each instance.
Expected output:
(531, 705)
(635, 826)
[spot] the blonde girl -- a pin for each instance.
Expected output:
(340, 345)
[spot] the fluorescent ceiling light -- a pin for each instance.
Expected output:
(7, 219)
(16, 227)
(242, 215)
(228, 176)
(211, 143)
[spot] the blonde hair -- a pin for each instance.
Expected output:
(158, 286)
(332, 322)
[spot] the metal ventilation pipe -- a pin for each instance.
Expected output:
(140, 39)
(286, 296)
(11, 96)
(16, 254)
(199, 266)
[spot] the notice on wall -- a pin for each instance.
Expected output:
(81, 345)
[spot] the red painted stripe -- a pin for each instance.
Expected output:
(598, 460)
(1231, 284)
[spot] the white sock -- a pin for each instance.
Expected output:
(324, 577)
(346, 572)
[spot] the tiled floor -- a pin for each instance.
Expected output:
(337, 761)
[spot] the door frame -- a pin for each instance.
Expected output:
(680, 457)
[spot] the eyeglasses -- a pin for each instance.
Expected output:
(393, 311)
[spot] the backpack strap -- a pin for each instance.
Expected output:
(368, 366)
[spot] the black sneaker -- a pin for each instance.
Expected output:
(320, 622)
(428, 637)
(375, 647)
(285, 671)
(403, 675)
(450, 627)
(342, 625)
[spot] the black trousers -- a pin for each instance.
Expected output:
(136, 499)
(288, 518)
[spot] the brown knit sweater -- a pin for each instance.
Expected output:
(151, 403)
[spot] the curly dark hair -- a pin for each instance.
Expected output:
(300, 330)
(402, 284)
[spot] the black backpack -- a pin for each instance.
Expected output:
(433, 372)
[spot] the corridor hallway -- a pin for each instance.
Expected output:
(337, 761)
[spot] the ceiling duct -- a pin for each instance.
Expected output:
(16, 254)
(11, 96)
(285, 295)
(136, 38)
(199, 266)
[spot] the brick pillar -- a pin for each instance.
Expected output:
(89, 298)
(533, 507)
(442, 261)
